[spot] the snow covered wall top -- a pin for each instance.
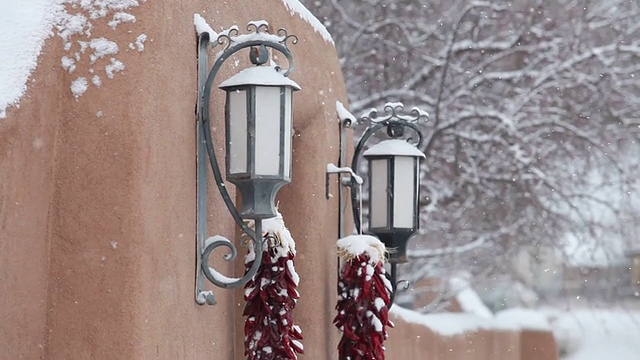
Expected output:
(26, 25)
(296, 7)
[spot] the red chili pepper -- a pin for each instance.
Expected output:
(361, 318)
(270, 332)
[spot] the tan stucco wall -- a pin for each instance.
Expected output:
(635, 270)
(27, 149)
(416, 341)
(97, 214)
(538, 345)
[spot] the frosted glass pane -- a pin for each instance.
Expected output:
(237, 151)
(404, 192)
(378, 208)
(267, 130)
(288, 103)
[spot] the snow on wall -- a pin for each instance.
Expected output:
(26, 25)
(523, 318)
(295, 7)
(75, 25)
(595, 334)
(475, 315)
(447, 324)
(450, 324)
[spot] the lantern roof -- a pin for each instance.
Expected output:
(394, 147)
(259, 75)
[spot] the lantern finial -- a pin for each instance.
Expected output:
(259, 55)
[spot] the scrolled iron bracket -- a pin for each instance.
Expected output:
(396, 284)
(259, 40)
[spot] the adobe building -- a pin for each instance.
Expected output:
(98, 192)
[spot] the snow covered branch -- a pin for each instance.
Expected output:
(529, 100)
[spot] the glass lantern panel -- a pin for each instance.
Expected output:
(267, 130)
(288, 127)
(379, 183)
(237, 151)
(404, 192)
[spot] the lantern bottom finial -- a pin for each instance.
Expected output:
(258, 197)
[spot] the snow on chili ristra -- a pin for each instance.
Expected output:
(26, 25)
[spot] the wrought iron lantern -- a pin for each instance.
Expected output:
(258, 134)
(393, 194)
(393, 179)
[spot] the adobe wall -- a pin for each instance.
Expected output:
(97, 199)
(27, 147)
(537, 345)
(415, 341)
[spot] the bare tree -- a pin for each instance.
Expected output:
(527, 98)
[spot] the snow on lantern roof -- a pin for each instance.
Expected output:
(259, 75)
(394, 147)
